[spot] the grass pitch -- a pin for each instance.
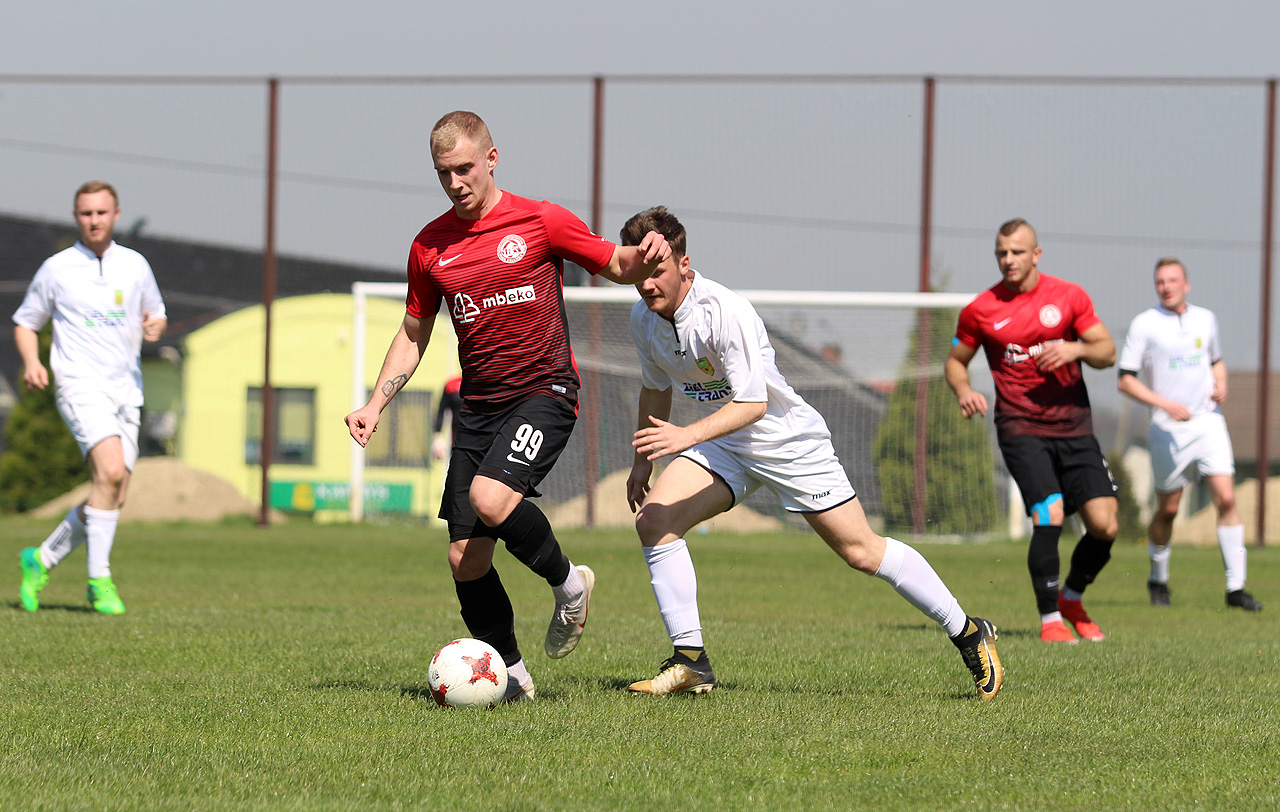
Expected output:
(286, 669)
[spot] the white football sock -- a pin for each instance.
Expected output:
(1053, 617)
(68, 535)
(100, 527)
(913, 578)
(675, 585)
(572, 587)
(518, 672)
(1159, 562)
(1231, 542)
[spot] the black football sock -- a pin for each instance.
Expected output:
(529, 538)
(1043, 563)
(487, 613)
(1088, 559)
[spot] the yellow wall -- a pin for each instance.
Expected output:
(311, 349)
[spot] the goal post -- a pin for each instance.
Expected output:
(870, 362)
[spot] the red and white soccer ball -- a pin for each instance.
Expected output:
(467, 673)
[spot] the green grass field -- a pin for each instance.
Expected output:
(286, 669)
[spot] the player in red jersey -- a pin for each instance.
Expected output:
(1035, 330)
(496, 262)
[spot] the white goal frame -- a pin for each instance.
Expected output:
(611, 294)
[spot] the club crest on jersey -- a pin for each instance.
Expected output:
(464, 309)
(511, 249)
(1050, 315)
(120, 301)
(705, 366)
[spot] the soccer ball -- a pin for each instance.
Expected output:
(467, 673)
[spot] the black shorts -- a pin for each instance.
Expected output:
(1071, 466)
(517, 447)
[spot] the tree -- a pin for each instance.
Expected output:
(960, 488)
(42, 459)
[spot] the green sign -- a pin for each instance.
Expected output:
(308, 497)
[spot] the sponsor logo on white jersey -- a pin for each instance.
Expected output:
(511, 249)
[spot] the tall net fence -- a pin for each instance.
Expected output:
(796, 183)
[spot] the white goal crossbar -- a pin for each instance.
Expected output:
(612, 294)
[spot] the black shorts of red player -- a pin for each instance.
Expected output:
(1071, 466)
(517, 446)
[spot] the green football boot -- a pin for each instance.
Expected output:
(104, 597)
(34, 576)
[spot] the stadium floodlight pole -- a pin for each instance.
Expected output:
(1264, 346)
(923, 319)
(268, 296)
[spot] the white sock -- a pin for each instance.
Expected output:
(68, 535)
(572, 587)
(100, 527)
(1053, 617)
(517, 672)
(1159, 562)
(913, 578)
(675, 585)
(1231, 542)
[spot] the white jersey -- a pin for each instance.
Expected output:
(1175, 355)
(97, 306)
(717, 350)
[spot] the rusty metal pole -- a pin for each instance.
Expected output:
(924, 321)
(268, 296)
(1264, 351)
(591, 463)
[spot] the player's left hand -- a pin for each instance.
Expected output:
(661, 440)
(1219, 393)
(1058, 354)
(654, 249)
(153, 327)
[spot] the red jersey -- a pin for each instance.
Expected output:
(1013, 328)
(502, 279)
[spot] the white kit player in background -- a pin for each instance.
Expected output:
(1175, 349)
(707, 341)
(103, 301)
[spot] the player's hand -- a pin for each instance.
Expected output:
(1177, 411)
(654, 249)
(35, 377)
(439, 447)
(661, 440)
(1219, 392)
(153, 327)
(362, 423)
(1058, 354)
(638, 484)
(973, 403)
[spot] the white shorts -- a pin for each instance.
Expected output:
(809, 479)
(95, 416)
(1199, 447)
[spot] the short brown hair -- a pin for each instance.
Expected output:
(655, 219)
(1007, 229)
(459, 124)
(1165, 261)
(93, 187)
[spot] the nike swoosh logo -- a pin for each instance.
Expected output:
(444, 262)
(997, 325)
(517, 459)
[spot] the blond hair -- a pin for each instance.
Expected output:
(93, 187)
(456, 125)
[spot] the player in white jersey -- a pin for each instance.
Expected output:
(103, 301)
(707, 341)
(1175, 348)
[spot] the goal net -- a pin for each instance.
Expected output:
(871, 363)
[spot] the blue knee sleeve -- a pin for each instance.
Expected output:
(1040, 510)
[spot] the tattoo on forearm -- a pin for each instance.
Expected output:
(389, 388)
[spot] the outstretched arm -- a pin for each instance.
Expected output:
(631, 264)
(403, 357)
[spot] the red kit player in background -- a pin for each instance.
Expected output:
(1036, 329)
(495, 261)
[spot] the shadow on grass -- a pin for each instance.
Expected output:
(52, 607)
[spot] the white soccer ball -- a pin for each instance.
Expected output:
(467, 673)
